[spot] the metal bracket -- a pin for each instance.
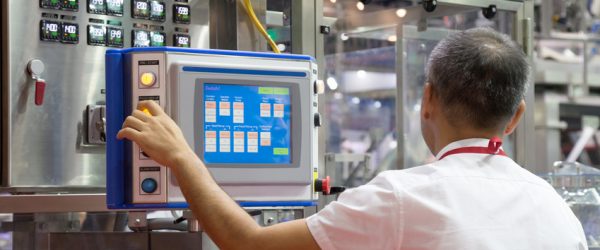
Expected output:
(193, 225)
(96, 124)
(137, 221)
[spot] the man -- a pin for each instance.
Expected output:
(472, 197)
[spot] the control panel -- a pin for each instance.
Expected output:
(250, 117)
(107, 24)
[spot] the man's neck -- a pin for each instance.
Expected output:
(446, 137)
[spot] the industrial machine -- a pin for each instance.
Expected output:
(251, 117)
(53, 89)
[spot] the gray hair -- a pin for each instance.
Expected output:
(480, 76)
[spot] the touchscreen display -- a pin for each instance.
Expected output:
(245, 124)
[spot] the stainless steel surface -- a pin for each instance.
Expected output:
(52, 203)
(45, 145)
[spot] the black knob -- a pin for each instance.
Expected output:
(489, 12)
(429, 5)
(317, 120)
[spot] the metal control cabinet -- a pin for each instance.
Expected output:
(176, 79)
(46, 148)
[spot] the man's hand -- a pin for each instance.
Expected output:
(156, 134)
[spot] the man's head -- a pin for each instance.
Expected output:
(476, 82)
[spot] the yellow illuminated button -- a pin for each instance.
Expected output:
(145, 110)
(148, 79)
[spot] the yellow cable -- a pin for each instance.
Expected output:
(258, 25)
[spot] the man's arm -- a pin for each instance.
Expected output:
(228, 225)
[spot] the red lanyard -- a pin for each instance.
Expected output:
(493, 148)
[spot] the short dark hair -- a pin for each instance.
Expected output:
(480, 76)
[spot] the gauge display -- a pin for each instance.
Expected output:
(96, 7)
(140, 9)
(157, 39)
(70, 33)
(180, 40)
(114, 37)
(114, 7)
(50, 4)
(72, 5)
(141, 38)
(157, 10)
(181, 14)
(49, 31)
(96, 35)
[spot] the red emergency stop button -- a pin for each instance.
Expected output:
(323, 185)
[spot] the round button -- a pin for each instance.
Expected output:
(148, 79)
(149, 185)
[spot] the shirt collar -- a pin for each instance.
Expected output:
(473, 142)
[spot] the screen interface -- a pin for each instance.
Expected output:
(49, 31)
(70, 33)
(96, 6)
(140, 9)
(180, 40)
(157, 39)
(181, 14)
(246, 124)
(114, 7)
(96, 35)
(141, 38)
(157, 11)
(115, 37)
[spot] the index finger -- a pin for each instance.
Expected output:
(152, 106)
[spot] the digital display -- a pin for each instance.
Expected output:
(96, 7)
(141, 38)
(70, 33)
(246, 124)
(157, 39)
(49, 31)
(114, 37)
(140, 9)
(72, 5)
(96, 35)
(114, 7)
(50, 4)
(180, 40)
(181, 14)
(157, 10)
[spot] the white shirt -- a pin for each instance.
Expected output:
(464, 201)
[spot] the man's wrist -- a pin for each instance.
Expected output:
(183, 158)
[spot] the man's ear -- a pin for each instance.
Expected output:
(514, 121)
